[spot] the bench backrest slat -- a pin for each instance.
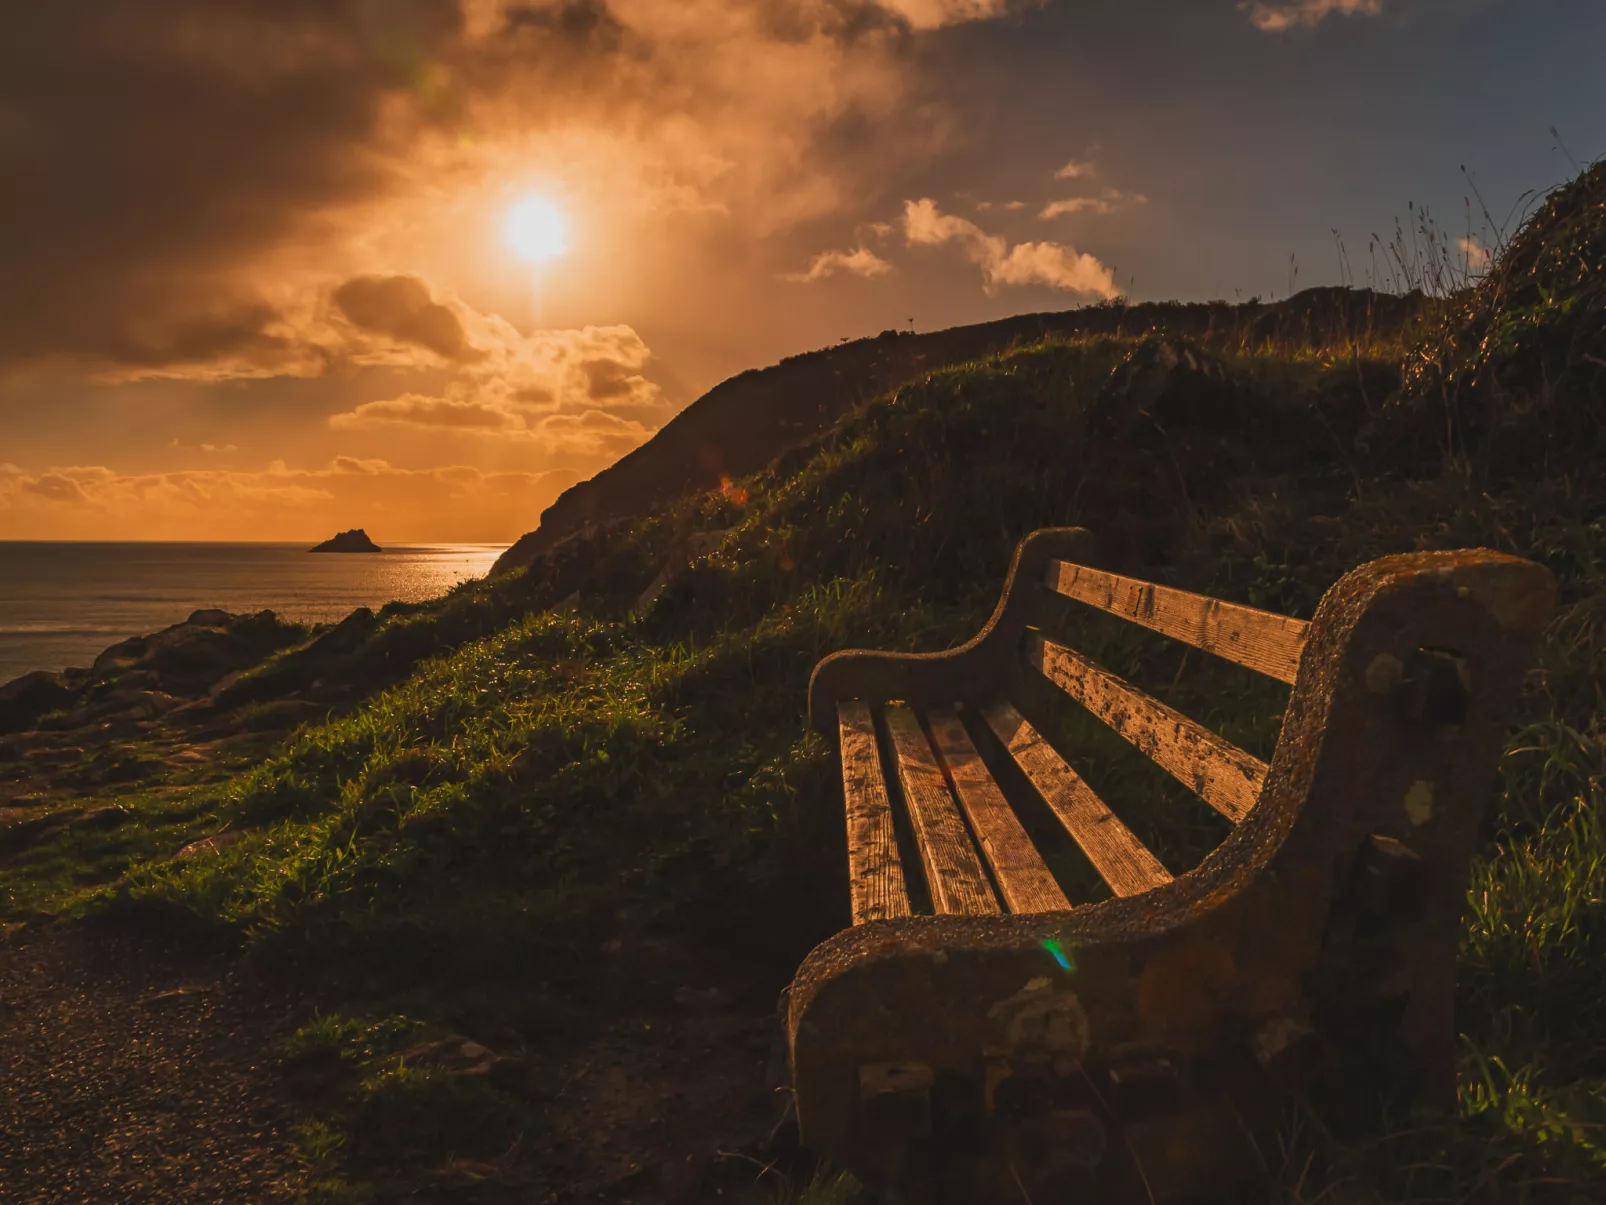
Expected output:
(953, 871)
(1023, 878)
(1259, 640)
(1123, 861)
(1221, 774)
(875, 873)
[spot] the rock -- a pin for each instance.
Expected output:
(130, 704)
(119, 656)
(188, 658)
(355, 540)
(55, 753)
(345, 636)
(23, 700)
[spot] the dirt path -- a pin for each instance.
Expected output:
(132, 1073)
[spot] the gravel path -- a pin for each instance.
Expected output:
(133, 1073)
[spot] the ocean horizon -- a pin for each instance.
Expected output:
(63, 602)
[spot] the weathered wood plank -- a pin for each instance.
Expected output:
(1221, 774)
(1023, 878)
(1261, 640)
(1123, 861)
(954, 873)
(875, 873)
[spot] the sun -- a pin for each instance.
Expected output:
(537, 230)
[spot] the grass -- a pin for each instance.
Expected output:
(515, 774)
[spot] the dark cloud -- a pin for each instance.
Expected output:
(402, 308)
(608, 379)
(577, 20)
(151, 148)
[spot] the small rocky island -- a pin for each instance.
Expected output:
(355, 540)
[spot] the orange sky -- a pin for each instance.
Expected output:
(259, 284)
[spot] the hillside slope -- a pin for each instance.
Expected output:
(741, 425)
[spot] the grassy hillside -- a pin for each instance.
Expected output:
(537, 771)
(741, 425)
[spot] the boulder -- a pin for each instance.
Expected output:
(345, 636)
(190, 657)
(23, 700)
(119, 656)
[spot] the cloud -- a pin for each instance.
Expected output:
(579, 392)
(402, 308)
(858, 262)
(1056, 266)
(54, 486)
(1109, 201)
(1011, 206)
(1276, 16)
(1074, 170)
(450, 503)
(1477, 257)
(933, 14)
(1048, 264)
(411, 409)
(184, 177)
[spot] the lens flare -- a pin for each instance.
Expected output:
(1060, 954)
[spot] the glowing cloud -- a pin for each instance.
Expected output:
(1050, 264)
(859, 262)
(1276, 16)
(1111, 200)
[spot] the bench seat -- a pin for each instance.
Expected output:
(973, 1036)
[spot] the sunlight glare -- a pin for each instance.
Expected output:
(536, 230)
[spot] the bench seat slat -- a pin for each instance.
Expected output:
(1123, 861)
(1260, 640)
(875, 873)
(1221, 774)
(1024, 879)
(954, 873)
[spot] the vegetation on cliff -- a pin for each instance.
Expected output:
(528, 795)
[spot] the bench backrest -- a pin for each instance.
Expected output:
(990, 677)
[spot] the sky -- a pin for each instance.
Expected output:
(263, 277)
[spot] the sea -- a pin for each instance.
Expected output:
(62, 604)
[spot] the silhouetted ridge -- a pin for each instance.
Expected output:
(744, 423)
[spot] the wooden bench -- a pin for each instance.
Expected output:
(1145, 1048)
